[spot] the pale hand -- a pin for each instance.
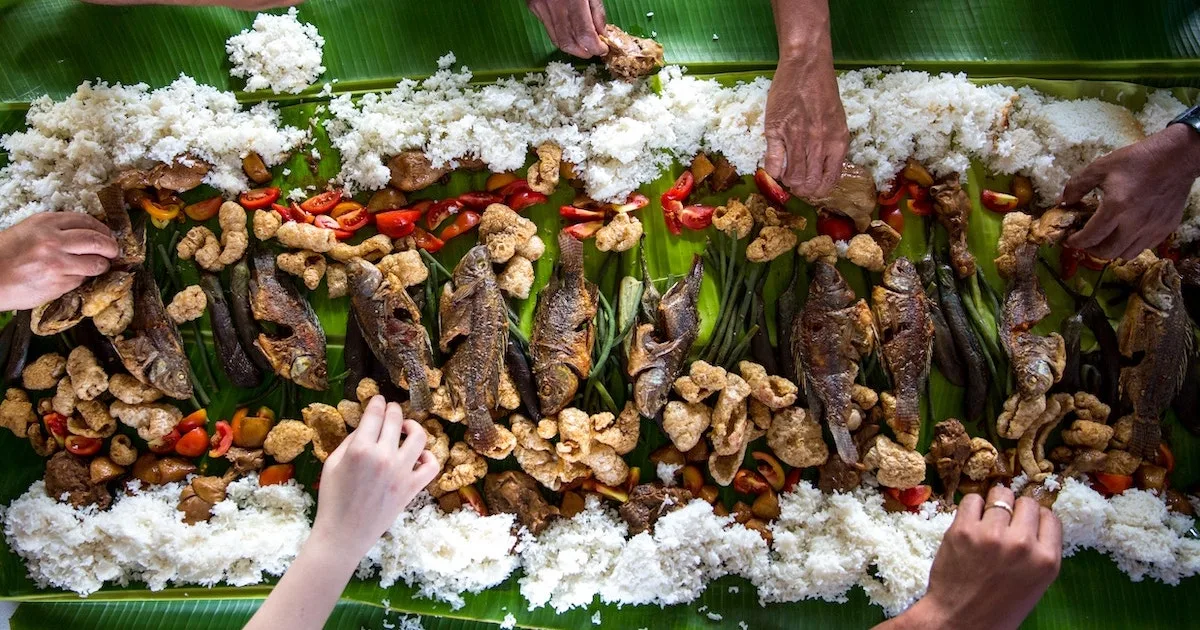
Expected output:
(575, 26)
(806, 128)
(1145, 188)
(49, 254)
(991, 569)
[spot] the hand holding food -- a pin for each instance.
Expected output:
(1145, 189)
(50, 254)
(575, 26)
(995, 562)
(806, 128)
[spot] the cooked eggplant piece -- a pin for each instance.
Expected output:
(659, 350)
(522, 378)
(564, 329)
(234, 361)
(19, 346)
(243, 317)
(151, 348)
(297, 349)
(969, 349)
(390, 323)
(356, 356)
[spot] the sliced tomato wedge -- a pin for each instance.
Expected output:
(164, 444)
(892, 216)
(584, 231)
(258, 198)
(894, 194)
(671, 210)
(83, 446)
(696, 217)
(299, 215)
(463, 223)
(682, 187)
(194, 420)
(427, 241)
(770, 188)
(524, 199)
(572, 213)
(397, 223)
(204, 210)
(354, 221)
(276, 474)
(635, 201)
(514, 187)
(345, 207)
(479, 200)
(322, 203)
(440, 211)
(193, 443)
(1111, 484)
(221, 440)
(835, 226)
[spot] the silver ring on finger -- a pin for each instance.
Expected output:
(1003, 505)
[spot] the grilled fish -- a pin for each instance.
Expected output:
(953, 207)
(474, 322)
(659, 350)
(151, 348)
(297, 350)
(1155, 337)
(1038, 361)
(564, 329)
(832, 334)
(391, 325)
(906, 341)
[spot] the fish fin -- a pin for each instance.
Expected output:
(1146, 436)
(845, 443)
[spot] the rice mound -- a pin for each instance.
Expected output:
(278, 52)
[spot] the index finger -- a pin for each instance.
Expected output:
(85, 241)
(372, 419)
(77, 220)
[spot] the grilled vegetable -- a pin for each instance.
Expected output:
(243, 319)
(970, 350)
(522, 378)
(356, 356)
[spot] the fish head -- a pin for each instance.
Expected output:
(829, 289)
(1161, 285)
(169, 378)
(901, 276)
(308, 372)
(556, 387)
(476, 264)
(363, 276)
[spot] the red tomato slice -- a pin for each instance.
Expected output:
(515, 187)
(524, 199)
(164, 444)
(322, 203)
(204, 210)
(194, 420)
(671, 210)
(354, 220)
(83, 446)
(427, 241)
(193, 443)
(397, 223)
(464, 222)
(258, 198)
(276, 474)
(696, 217)
(440, 211)
(835, 226)
(221, 440)
(479, 200)
(892, 216)
(682, 187)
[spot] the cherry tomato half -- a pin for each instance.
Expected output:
(397, 223)
(258, 198)
(221, 440)
(322, 203)
(193, 443)
(83, 446)
(463, 223)
(195, 420)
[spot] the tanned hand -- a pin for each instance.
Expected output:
(49, 254)
(991, 569)
(575, 26)
(1145, 188)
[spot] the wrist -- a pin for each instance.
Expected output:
(1185, 141)
(332, 551)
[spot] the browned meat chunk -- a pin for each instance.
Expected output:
(630, 57)
(514, 492)
(837, 476)
(649, 502)
(412, 171)
(66, 473)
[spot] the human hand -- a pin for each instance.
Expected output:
(49, 254)
(575, 26)
(806, 128)
(991, 569)
(371, 477)
(1146, 186)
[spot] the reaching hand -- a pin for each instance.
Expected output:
(49, 254)
(575, 26)
(1145, 186)
(992, 568)
(371, 476)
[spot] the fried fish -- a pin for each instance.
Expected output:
(151, 348)
(659, 350)
(564, 329)
(297, 349)
(905, 328)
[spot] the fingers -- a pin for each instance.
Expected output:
(1084, 182)
(776, 156)
(75, 220)
(414, 443)
(1025, 517)
(372, 419)
(1049, 529)
(996, 516)
(599, 19)
(426, 469)
(584, 32)
(970, 509)
(85, 241)
(393, 419)
(1098, 228)
(331, 462)
(86, 266)
(832, 171)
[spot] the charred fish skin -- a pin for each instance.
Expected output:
(832, 334)
(564, 329)
(659, 350)
(953, 207)
(234, 361)
(354, 355)
(474, 321)
(131, 239)
(151, 347)
(1155, 335)
(902, 316)
(298, 355)
(391, 326)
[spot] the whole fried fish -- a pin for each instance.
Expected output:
(832, 335)
(1155, 337)
(131, 239)
(953, 207)
(297, 349)
(905, 327)
(564, 329)
(391, 325)
(474, 322)
(151, 347)
(659, 350)
(1038, 361)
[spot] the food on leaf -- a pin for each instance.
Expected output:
(630, 57)
(564, 329)
(297, 351)
(152, 348)
(659, 349)
(953, 208)
(902, 316)
(853, 196)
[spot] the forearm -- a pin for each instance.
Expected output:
(310, 588)
(923, 615)
(802, 27)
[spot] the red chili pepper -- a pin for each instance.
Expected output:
(1068, 262)
(193, 443)
(258, 198)
(322, 203)
(896, 192)
(682, 187)
(164, 444)
(892, 216)
(463, 223)
(427, 241)
(513, 188)
(671, 210)
(524, 199)
(919, 207)
(835, 226)
(571, 213)
(584, 231)
(194, 420)
(221, 440)
(696, 217)
(478, 200)
(83, 446)
(635, 201)
(397, 223)
(440, 211)
(770, 188)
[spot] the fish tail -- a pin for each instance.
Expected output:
(1147, 433)
(481, 430)
(844, 442)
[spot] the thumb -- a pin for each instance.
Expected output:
(776, 158)
(1083, 182)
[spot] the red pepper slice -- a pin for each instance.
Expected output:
(478, 200)
(397, 223)
(194, 420)
(584, 231)
(892, 216)
(516, 187)
(427, 241)
(671, 210)
(56, 425)
(83, 446)
(682, 187)
(164, 444)
(919, 207)
(835, 226)
(463, 223)
(322, 203)
(893, 197)
(258, 198)
(521, 200)
(440, 211)
(193, 443)
(204, 210)
(571, 213)
(221, 440)
(770, 188)
(696, 217)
